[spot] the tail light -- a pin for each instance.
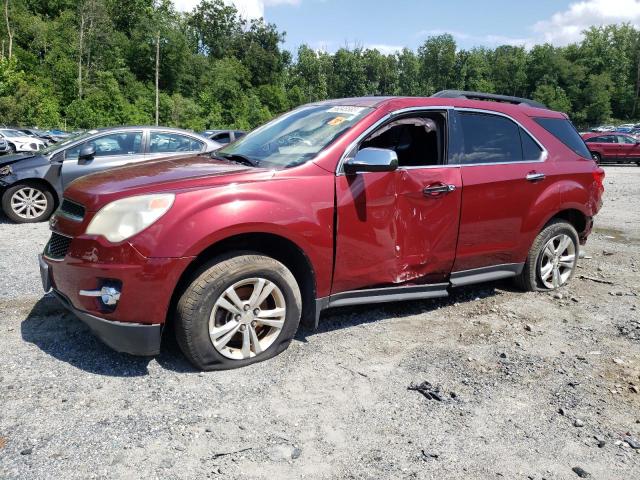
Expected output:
(598, 177)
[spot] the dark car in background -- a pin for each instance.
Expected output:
(613, 147)
(31, 184)
(46, 137)
(224, 137)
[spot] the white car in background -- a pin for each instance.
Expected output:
(19, 142)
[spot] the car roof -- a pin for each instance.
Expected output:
(138, 127)
(398, 103)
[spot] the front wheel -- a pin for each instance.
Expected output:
(238, 311)
(552, 259)
(27, 202)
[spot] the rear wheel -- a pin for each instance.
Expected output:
(27, 202)
(552, 259)
(238, 311)
(597, 157)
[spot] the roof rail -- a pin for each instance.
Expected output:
(488, 96)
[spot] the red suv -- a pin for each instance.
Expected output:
(613, 147)
(343, 202)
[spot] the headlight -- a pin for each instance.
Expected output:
(124, 218)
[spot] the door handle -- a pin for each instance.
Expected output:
(438, 189)
(535, 177)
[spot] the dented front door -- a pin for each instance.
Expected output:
(396, 227)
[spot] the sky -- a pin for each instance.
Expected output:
(391, 25)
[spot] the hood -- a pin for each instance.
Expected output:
(19, 160)
(11, 159)
(171, 174)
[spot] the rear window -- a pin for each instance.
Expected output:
(564, 131)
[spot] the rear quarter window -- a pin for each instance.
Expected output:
(564, 131)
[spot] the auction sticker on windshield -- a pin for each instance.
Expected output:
(346, 110)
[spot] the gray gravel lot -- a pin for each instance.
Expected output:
(531, 386)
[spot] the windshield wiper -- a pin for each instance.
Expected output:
(237, 158)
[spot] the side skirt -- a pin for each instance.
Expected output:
(417, 292)
(380, 295)
(485, 274)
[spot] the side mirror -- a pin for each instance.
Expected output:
(87, 152)
(372, 160)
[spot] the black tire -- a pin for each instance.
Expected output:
(597, 157)
(36, 186)
(529, 280)
(12, 149)
(197, 303)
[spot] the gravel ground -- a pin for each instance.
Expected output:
(522, 386)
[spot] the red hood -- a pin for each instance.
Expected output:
(96, 190)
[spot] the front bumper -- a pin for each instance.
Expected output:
(132, 338)
(146, 285)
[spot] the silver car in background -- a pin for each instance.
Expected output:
(31, 184)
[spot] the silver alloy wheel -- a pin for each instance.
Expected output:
(557, 261)
(247, 318)
(29, 203)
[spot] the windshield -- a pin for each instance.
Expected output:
(11, 133)
(295, 137)
(67, 141)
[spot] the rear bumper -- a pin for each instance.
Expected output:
(132, 338)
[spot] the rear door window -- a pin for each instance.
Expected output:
(168, 142)
(531, 151)
(490, 139)
(563, 130)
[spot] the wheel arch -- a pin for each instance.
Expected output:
(38, 181)
(574, 216)
(272, 245)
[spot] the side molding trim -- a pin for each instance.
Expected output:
(417, 292)
(485, 274)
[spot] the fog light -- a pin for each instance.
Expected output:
(109, 295)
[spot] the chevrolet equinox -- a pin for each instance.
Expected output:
(341, 202)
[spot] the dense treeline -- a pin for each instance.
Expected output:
(91, 63)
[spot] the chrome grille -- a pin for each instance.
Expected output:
(72, 210)
(58, 246)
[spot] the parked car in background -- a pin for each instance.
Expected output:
(39, 134)
(613, 147)
(342, 202)
(604, 128)
(31, 185)
(224, 137)
(18, 141)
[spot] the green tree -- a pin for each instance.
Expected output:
(553, 97)
(437, 63)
